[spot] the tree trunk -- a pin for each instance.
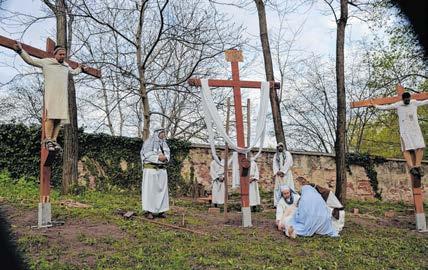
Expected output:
(340, 144)
(142, 79)
(70, 154)
(274, 101)
(146, 109)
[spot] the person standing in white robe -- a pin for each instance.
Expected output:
(282, 163)
(55, 74)
(412, 140)
(254, 193)
(286, 206)
(217, 178)
(155, 155)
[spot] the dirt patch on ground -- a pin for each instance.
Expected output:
(80, 242)
(72, 240)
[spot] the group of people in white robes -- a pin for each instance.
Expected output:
(218, 185)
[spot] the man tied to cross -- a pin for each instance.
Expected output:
(412, 140)
(55, 73)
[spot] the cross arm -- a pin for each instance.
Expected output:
(9, 43)
(377, 101)
(231, 83)
(386, 100)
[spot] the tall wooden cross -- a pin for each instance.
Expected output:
(415, 180)
(234, 57)
(46, 157)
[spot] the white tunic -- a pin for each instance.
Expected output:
(284, 211)
(217, 178)
(254, 193)
(333, 202)
(283, 163)
(410, 131)
(154, 188)
(56, 85)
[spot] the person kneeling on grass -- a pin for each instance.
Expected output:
(312, 216)
(286, 207)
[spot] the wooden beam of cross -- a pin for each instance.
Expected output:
(388, 100)
(9, 43)
(416, 181)
(234, 57)
(46, 157)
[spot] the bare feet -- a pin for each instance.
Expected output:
(290, 232)
(150, 216)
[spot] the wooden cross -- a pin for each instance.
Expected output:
(416, 181)
(234, 57)
(46, 157)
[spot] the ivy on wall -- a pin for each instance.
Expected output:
(117, 157)
(369, 164)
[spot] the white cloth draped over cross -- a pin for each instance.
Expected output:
(212, 117)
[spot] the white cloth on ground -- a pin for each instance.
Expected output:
(282, 161)
(410, 131)
(254, 192)
(56, 85)
(154, 188)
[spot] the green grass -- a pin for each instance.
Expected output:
(143, 245)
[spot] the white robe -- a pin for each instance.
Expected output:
(154, 188)
(410, 131)
(285, 211)
(333, 202)
(56, 85)
(217, 178)
(254, 193)
(284, 165)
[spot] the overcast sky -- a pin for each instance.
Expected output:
(317, 35)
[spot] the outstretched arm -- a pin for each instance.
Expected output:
(421, 102)
(27, 58)
(77, 70)
(387, 107)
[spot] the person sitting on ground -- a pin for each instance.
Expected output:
(286, 206)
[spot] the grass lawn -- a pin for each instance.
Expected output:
(99, 238)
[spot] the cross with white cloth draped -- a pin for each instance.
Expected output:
(234, 56)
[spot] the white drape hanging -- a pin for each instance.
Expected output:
(212, 116)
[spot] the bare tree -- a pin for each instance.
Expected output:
(152, 59)
(267, 56)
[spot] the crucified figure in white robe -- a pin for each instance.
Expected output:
(412, 140)
(55, 73)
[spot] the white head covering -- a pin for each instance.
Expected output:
(281, 189)
(154, 146)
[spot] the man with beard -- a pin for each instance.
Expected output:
(155, 155)
(282, 163)
(55, 73)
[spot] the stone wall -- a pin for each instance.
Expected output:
(319, 168)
